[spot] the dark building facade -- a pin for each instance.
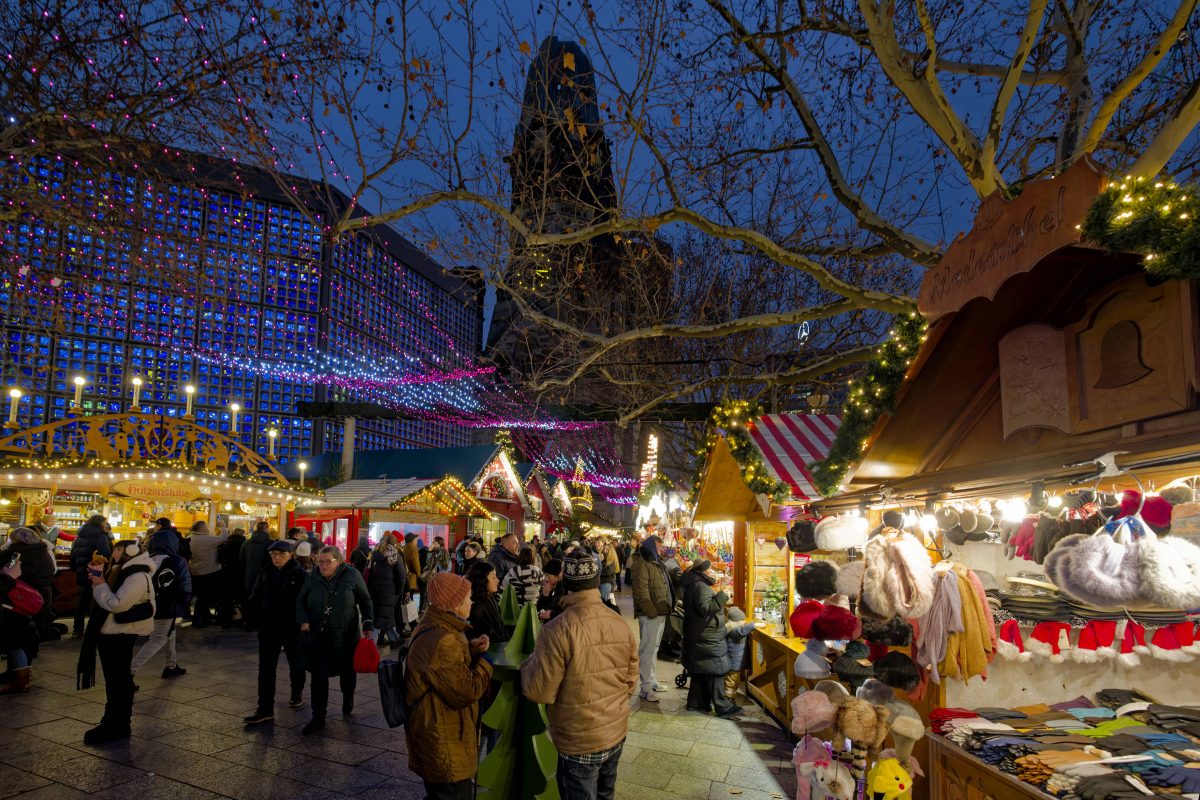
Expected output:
(218, 279)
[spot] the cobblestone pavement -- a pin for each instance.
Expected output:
(189, 742)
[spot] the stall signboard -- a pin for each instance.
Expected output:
(158, 490)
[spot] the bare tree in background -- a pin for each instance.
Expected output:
(772, 163)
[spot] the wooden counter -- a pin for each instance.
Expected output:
(955, 774)
(770, 679)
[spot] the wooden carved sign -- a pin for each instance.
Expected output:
(1009, 237)
(1033, 379)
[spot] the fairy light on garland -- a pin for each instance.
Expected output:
(867, 398)
(1152, 216)
(448, 495)
(733, 419)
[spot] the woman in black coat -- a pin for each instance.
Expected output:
(37, 569)
(387, 581)
(485, 606)
(91, 540)
(705, 654)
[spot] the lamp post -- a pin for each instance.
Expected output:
(137, 393)
(303, 465)
(77, 404)
(14, 398)
(271, 434)
(234, 408)
(190, 391)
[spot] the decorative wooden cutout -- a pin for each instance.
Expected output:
(1121, 356)
(1033, 380)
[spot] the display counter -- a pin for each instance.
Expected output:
(954, 774)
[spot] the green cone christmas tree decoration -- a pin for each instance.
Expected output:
(523, 763)
(510, 607)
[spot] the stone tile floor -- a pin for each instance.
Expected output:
(189, 742)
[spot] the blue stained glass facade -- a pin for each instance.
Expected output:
(179, 283)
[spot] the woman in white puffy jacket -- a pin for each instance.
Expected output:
(123, 611)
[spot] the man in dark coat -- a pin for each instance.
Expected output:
(653, 600)
(170, 603)
(360, 556)
(504, 555)
(254, 560)
(275, 592)
(705, 652)
(233, 577)
(91, 540)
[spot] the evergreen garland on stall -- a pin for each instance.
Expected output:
(733, 419)
(1152, 216)
(659, 484)
(868, 397)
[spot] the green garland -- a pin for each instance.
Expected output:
(867, 398)
(659, 484)
(733, 419)
(1152, 216)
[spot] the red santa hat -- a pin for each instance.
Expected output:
(1155, 511)
(1009, 643)
(1132, 637)
(1166, 644)
(1050, 639)
(1097, 641)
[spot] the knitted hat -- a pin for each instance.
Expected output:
(1009, 643)
(447, 591)
(898, 671)
(817, 579)
(1050, 639)
(580, 572)
(802, 618)
(735, 614)
(552, 567)
(835, 624)
(703, 565)
(811, 712)
(304, 550)
(841, 533)
(812, 662)
(1097, 640)
(1166, 645)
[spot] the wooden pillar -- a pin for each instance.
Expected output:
(283, 520)
(742, 591)
(348, 448)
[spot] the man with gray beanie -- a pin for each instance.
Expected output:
(584, 669)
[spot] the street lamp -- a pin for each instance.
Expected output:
(14, 398)
(303, 465)
(137, 393)
(79, 382)
(190, 391)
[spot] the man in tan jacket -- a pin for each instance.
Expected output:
(584, 669)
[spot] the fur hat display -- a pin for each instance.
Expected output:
(1096, 570)
(875, 691)
(849, 579)
(849, 666)
(841, 533)
(906, 732)
(802, 617)
(1009, 643)
(946, 517)
(836, 624)
(1178, 495)
(802, 536)
(894, 632)
(1050, 639)
(835, 691)
(861, 722)
(898, 576)
(898, 671)
(817, 579)
(1169, 572)
(812, 662)
(811, 712)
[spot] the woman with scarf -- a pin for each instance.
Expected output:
(37, 569)
(328, 610)
(123, 611)
(387, 581)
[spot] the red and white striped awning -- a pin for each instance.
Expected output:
(791, 443)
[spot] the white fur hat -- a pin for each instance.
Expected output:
(841, 533)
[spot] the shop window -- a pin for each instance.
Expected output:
(490, 528)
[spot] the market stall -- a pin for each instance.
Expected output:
(1043, 442)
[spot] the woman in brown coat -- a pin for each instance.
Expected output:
(445, 679)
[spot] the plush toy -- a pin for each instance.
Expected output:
(865, 725)
(833, 779)
(887, 780)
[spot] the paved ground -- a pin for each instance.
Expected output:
(189, 742)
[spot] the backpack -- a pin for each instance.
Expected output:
(168, 589)
(393, 685)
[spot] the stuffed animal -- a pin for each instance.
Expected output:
(887, 780)
(865, 725)
(831, 779)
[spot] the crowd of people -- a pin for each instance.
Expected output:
(441, 607)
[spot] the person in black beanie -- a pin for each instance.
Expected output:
(275, 592)
(549, 600)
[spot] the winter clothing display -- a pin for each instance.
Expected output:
(841, 533)
(897, 576)
(817, 579)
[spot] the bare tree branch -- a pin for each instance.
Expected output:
(1171, 135)
(1008, 86)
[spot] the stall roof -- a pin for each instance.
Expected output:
(791, 443)
(373, 493)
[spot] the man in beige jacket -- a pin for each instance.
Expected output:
(584, 669)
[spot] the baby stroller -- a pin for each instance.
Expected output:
(671, 647)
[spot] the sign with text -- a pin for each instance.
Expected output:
(159, 491)
(1010, 237)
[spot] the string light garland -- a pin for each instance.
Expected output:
(1152, 216)
(733, 419)
(659, 484)
(449, 495)
(867, 398)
